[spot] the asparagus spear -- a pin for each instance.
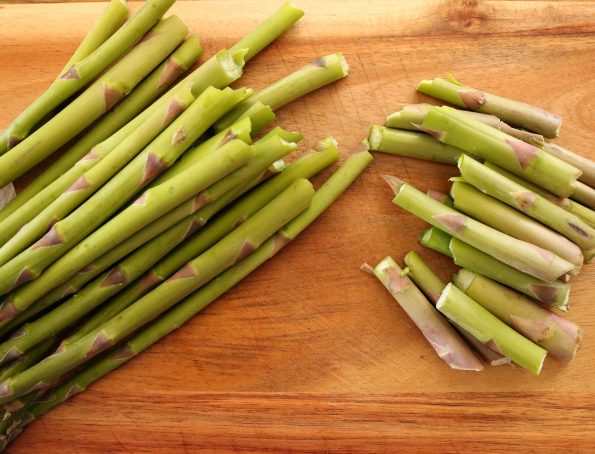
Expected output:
(245, 239)
(412, 144)
(524, 256)
(582, 163)
(584, 194)
(81, 73)
(323, 71)
(532, 204)
(466, 313)
(305, 167)
(532, 163)
(60, 175)
(514, 112)
(500, 216)
(432, 286)
(441, 336)
(108, 23)
(185, 310)
(560, 337)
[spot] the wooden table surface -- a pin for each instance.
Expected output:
(310, 353)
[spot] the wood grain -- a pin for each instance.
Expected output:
(310, 353)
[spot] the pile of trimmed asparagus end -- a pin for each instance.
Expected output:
(519, 222)
(159, 201)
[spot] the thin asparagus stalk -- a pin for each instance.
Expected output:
(436, 240)
(560, 337)
(412, 144)
(60, 175)
(528, 161)
(148, 164)
(441, 336)
(269, 30)
(514, 112)
(530, 203)
(500, 216)
(305, 167)
(488, 329)
(323, 71)
(82, 72)
(524, 256)
(582, 163)
(584, 194)
(189, 307)
(243, 240)
(108, 23)
(432, 286)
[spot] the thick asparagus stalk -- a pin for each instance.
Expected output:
(82, 72)
(500, 216)
(524, 256)
(243, 240)
(560, 337)
(532, 204)
(412, 144)
(60, 175)
(432, 286)
(584, 194)
(269, 30)
(582, 163)
(466, 313)
(323, 71)
(441, 336)
(514, 112)
(532, 163)
(108, 23)
(185, 310)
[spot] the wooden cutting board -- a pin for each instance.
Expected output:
(310, 353)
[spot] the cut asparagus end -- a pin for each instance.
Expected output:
(375, 137)
(395, 183)
(437, 240)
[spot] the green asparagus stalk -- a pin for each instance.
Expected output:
(242, 241)
(530, 203)
(269, 30)
(108, 23)
(81, 73)
(32, 357)
(60, 175)
(524, 256)
(528, 161)
(185, 310)
(260, 115)
(500, 216)
(514, 112)
(441, 336)
(584, 194)
(323, 71)
(432, 286)
(436, 240)
(412, 144)
(488, 329)
(582, 163)
(560, 337)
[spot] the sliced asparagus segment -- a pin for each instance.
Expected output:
(560, 337)
(514, 112)
(412, 144)
(524, 256)
(488, 329)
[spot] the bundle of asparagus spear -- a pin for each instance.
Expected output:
(519, 222)
(158, 202)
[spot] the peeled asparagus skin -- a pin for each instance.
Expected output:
(524, 256)
(560, 337)
(321, 72)
(455, 128)
(441, 336)
(70, 165)
(412, 144)
(468, 314)
(500, 216)
(530, 203)
(95, 101)
(243, 240)
(432, 286)
(514, 112)
(582, 163)
(84, 71)
(193, 304)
